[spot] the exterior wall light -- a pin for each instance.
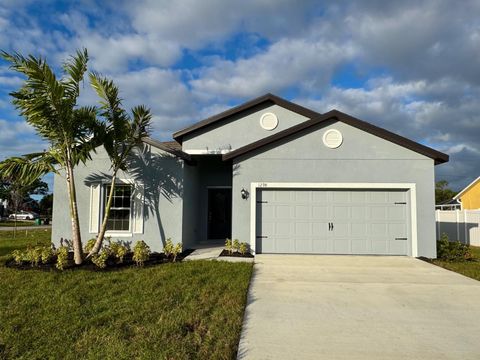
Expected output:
(244, 194)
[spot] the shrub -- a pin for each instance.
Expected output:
(119, 250)
(18, 256)
(89, 245)
(141, 252)
(236, 245)
(172, 250)
(62, 257)
(46, 254)
(243, 248)
(100, 259)
(229, 245)
(33, 255)
(452, 250)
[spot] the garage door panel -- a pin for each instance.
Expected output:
(364, 221)
(397, 213)
(320, 212)
(358, 212)
(303, 229)
(303, 245)
(320, 246)
(378, 213)
(397, 246)
(319, 196)
(284, 229)
(359, 229)
(341, 246)
(303, 196)
(360, 246)
(283, 212)
(303, 211)
(341, 212)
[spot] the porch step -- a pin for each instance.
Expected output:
(205, 253)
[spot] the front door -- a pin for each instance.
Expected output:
(219, 213)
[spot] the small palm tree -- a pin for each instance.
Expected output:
(50, 106)
(123, 133)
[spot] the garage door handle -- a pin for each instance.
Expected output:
(262, 237)
(401, 239)
(330, 226)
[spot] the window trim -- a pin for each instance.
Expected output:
(103, 199)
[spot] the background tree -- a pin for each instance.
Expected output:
(46, 205)
(443, 192)
(123, 134)
(17, 192)
(50, 106)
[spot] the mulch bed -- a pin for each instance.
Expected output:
(112, 265)
(235, 254)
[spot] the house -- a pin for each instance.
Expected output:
(469, 197)
(269, 172)
(451, 204)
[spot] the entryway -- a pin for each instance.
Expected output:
(219, 222)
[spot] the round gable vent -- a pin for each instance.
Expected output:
(269, 121)
(332, 138)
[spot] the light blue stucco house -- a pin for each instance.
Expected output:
(269, 172)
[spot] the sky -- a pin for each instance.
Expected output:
(411, 67)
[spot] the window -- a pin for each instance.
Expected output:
(121, 209)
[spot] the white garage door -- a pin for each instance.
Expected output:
(333, 221)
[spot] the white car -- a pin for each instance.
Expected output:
(23, 215)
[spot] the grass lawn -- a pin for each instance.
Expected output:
(190, 310)
(19, 223)
(467, 268)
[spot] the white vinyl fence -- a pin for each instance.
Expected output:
(463, 225)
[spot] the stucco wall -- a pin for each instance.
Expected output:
(236, 133)
(162, 176)
(362, 158)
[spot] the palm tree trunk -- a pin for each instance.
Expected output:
(101, 235)
(76, 237)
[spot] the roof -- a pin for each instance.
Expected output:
(237, 111)
(317, 119)
(171, 147)
(459, 195)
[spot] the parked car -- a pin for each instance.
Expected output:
(24, 215)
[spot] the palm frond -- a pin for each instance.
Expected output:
(30, 167)
(75, 67)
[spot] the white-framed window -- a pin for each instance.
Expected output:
(126, 211)
(120, 216)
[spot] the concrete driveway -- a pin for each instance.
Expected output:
(359, 307)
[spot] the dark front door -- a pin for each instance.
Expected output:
(219, 213)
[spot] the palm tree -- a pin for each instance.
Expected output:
(50, 106)
(123, 134)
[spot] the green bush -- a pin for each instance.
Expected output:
(236, 245)
(172, 250)
(118, 250)
(33, 255)
(243, 248)
(229, 245)
(100, 259)
(18, 256)
(62, 257)
(452, 250)
(141, 252)
(46, 254)
(89, 245)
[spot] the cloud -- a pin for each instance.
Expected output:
(413, 63)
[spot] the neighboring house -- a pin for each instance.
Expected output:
(274, 174)
(469, 197)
